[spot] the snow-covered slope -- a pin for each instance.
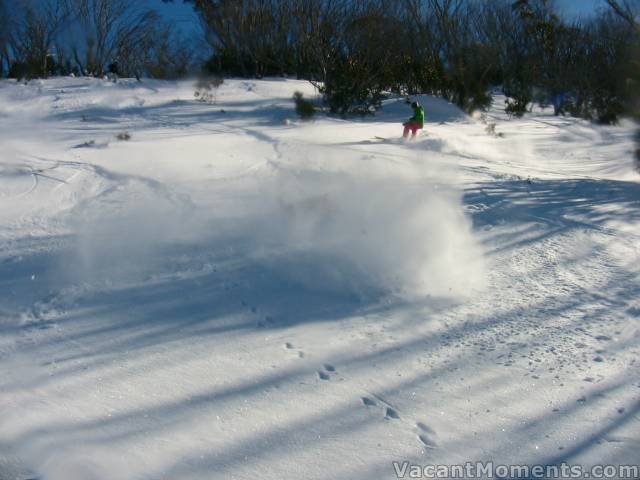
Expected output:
(231, 293)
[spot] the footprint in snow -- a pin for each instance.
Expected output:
(424, 428)
(391, 413)
(289, 346)
(425, 435)
(427, 442)
(367, 402)
(326, 373)
(603, 338)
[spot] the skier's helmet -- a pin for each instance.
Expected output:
(415, 105)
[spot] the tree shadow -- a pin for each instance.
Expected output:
(561, 205)
(186, 309)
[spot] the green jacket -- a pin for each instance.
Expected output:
(418, 116)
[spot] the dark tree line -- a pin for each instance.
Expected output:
(39, 38)
(356, 50)
(630, 15)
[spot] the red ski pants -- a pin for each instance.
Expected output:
(411, 127)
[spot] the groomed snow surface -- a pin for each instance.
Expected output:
(234, 294)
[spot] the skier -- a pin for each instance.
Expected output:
(416, 122)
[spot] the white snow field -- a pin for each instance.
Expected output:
(234, 294)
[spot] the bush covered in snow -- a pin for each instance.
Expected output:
(304, 108)
(207, 88)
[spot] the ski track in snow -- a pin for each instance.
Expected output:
(232, 292)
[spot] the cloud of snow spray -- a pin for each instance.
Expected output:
(368, 235)
(371, 234)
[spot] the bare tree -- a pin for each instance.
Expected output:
(172, 56)
(624, 9)
(35, 25)
(5, 23)
(354, 50)
(112, 31)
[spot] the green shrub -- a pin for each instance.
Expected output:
(351, 87)
(206, 88)
(304, 108)
(517, 106)
(520, 95)
(608, 110)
